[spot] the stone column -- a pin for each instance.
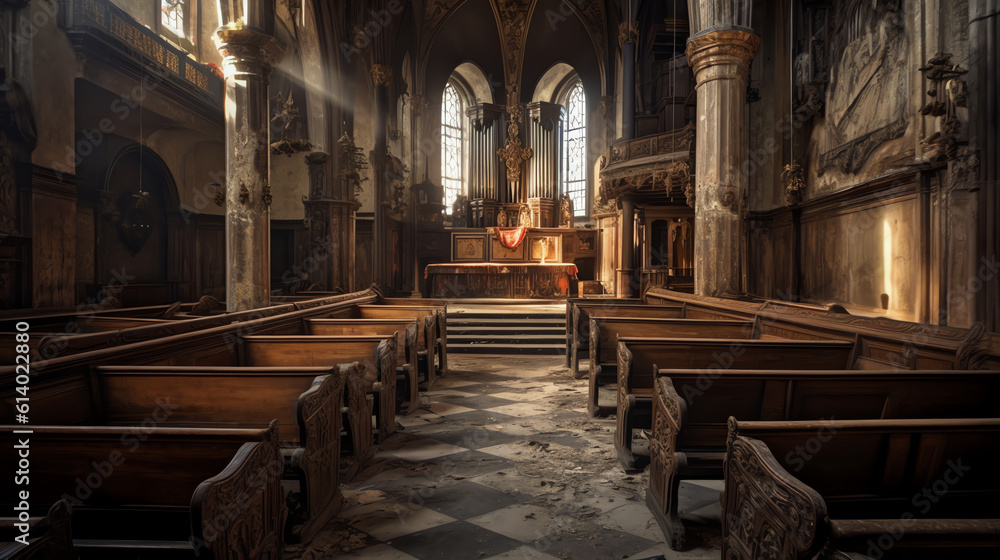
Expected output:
(720, 59)
(626, 274)
(984, 82)
(628, 35)
(248, 55)
(382, 245)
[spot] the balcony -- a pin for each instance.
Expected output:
(105, 32)
(653, 167)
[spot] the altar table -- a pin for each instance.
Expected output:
(499, 280)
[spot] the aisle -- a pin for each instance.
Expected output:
(502, 462)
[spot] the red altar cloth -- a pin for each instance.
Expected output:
(511, 237)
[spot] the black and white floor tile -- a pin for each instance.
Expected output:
(502, 462)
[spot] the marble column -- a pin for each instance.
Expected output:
(248, 55)
(721, 60)
(626, 273)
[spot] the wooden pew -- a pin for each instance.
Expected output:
(430, 347)
(579, 315)
(378, 353)
(885, 341)
(881, 488)
(306, 401)
(605, 332)
(406, 346)
(60, 390)
(68, 339)
(192, 491)
(441, 322)
(114, 323)
(691, 410)
(49, 537)
(571, 330)
(638, 358)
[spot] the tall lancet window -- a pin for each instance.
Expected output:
(575, 149)
(451, 145)
(172, 18)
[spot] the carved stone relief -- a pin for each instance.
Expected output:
(869, 80)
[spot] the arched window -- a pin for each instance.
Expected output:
(575, 149)
(451, 145)
(172, 18)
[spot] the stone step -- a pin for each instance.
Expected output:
(478, 316)
(513, 323)
(506, 348)
(488, 330)
(507, 339)
(503, 330)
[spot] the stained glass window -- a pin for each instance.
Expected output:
(451, 145)
(575, 149)
(173, 16)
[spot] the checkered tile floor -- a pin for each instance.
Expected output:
(503, 463)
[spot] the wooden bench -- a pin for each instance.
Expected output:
(430, 347)
(306, 401)
(49, 537)
(406, 346)
(639, 357)
(441, 322)
(691, 410)
(879, 339)
(67, 338)
(579, 313)
(211, 493)
(571, 329)
(881, 488)
(377, 353)
(605, 332)
(113, 323)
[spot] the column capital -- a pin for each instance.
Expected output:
(244, 45)
(724, 47)
(628, 32)
(381, 75)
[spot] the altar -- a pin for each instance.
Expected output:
(514, 263)
(500, 280)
